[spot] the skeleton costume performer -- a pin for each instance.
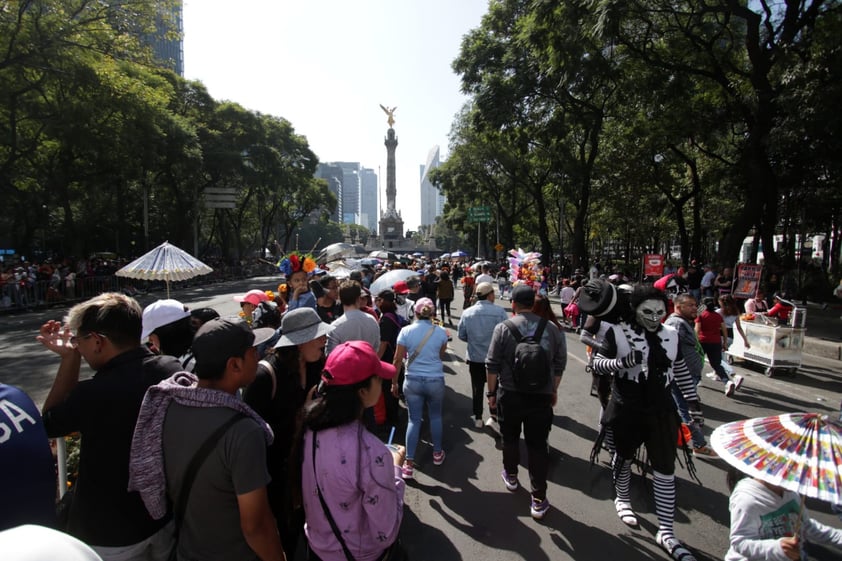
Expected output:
(643, 358)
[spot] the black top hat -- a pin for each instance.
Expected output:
(598, 297)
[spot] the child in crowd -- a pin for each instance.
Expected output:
(764, 519)
(297, 269)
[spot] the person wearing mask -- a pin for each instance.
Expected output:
(424, 345)
(350, 481)
(327, 305)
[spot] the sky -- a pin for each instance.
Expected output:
(327, 65)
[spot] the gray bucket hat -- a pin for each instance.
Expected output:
(300, 326)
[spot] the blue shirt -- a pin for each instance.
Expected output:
(306, 300)
(428, 362)
(477, 326)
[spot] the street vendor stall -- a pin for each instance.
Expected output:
(777, 347)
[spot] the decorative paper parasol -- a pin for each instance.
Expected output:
(801, 452)
(386, 280)
(167, 263)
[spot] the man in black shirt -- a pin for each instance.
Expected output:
(105, 331)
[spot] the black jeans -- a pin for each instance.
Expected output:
(477, 370)
(444, 305)
(533, 412)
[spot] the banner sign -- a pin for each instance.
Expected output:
(653, 265)
(748, 279)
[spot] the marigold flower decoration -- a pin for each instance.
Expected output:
(295, 262)
(270, 295)
(525, 268)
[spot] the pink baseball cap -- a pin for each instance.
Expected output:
(253, 297)
(354, 362)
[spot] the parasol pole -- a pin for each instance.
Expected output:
(798, 522)
(315, 245)
(167, 280)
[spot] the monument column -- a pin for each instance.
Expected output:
(391, 191)
(391, 223)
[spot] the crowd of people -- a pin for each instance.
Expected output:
(26, 285)
(256, 436)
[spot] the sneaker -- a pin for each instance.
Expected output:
(539, 508)
(705, 451)
(730, 387)
(738, 382)
(491, 423)
(478, 423)
(510, 481)
(407, 471)
(438, 458)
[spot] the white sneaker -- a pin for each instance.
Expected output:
(730, 387)
(738, 382)
(478, 423)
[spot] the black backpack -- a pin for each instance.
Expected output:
(531, 369)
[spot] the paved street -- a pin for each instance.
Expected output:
(461, 510)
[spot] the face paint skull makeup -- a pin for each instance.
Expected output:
(649, 314)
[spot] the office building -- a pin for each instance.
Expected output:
(350, 191)
(432, 201)
(369, 199)
(167, 42)
(334, 175)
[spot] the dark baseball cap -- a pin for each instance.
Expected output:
(220, 339)
(523, 295)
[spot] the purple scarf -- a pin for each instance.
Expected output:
(146, 463)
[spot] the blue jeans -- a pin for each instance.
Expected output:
(419, 390)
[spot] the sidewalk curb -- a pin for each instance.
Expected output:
(825, 349)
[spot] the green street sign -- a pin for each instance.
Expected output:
(479, 214)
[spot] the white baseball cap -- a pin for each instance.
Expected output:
(161, 313)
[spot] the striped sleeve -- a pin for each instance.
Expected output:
(685, 382)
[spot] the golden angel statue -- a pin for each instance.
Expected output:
(390, 112)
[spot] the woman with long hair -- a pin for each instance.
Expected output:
(543, 308)
(424, 345)
(277, 394)
(350, 479)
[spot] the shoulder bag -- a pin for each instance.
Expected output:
(190, 476)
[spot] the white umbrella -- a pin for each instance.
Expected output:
(165, 263)
(386, 280)
(336, 251)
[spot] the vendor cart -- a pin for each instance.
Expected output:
(776, 347)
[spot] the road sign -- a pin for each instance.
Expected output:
(499, 247)
(479, 214)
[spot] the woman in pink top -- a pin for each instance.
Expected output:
(713, 336)
(351, 482)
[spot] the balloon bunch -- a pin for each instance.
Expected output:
(525, 268)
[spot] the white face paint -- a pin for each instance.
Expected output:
(649, 314)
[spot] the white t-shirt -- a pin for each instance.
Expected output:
(485, 278)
